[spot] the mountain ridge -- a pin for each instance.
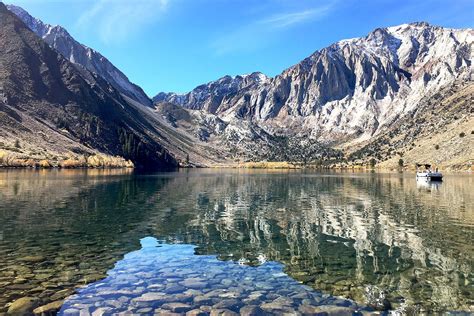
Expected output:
(347, 93)
(380, 39)
(60, 39)
(49, 107)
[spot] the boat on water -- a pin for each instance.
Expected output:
(424, 183)
(429, 174)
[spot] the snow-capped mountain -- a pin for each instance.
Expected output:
(349, 90)
(400, 91)
(211, 96)
(59, 38)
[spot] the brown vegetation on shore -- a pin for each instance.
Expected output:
(16, 160)
(344, 165)
(268, 165)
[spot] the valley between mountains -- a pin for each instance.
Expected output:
(400, 95)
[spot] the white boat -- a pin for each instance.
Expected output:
(429, 174)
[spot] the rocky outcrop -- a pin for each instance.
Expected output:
(211, 96)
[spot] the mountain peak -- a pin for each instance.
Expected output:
(256, 76)
(45, 96)
(60, 39)
(390, 70)
(420, 24)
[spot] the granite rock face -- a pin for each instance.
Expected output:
(347, 92)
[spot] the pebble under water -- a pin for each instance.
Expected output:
(163, 279)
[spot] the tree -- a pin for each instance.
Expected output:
(462, 134)
(400, 162)
(187, 159)
(436, 146)
(17, 144)
(372, 162)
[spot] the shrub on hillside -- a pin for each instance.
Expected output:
(44, 164)
(71, 163)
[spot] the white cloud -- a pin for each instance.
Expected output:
(116, 20)
(256, 34)
(288, 19)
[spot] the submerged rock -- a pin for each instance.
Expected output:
(194, 283)
(152, 297)
(62, 294)
(102, 311)
(223, 312)
(32, 259)
(196, 312)
(251, 310)
(23, 306)
(48, 309)
(176, 307)
(232, 304)
(335, 310)
(203, 300)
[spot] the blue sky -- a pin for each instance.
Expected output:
(175, 45)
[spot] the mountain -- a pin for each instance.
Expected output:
(52, 109)
(58, 38)
(34, 130)
(210, 96)
(398, 93)
(344, 95)
(440, 127)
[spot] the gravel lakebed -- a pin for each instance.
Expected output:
(172, 280)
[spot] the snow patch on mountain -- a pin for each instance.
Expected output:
(347, 92)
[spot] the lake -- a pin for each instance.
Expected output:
(248, 241)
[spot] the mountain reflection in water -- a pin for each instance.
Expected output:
(360, 236)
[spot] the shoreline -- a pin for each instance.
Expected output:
(97, 161)
(325, 168)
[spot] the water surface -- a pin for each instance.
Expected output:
(362, 238)
(164, 278)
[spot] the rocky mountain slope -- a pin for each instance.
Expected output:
(237, 141)
(36, 130)
(49, 107)
(59, 39)
(210, 96)
(440, 127)
(349, 103)
(348, 93)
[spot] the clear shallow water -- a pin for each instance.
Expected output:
(163, 278)
(358, 236)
